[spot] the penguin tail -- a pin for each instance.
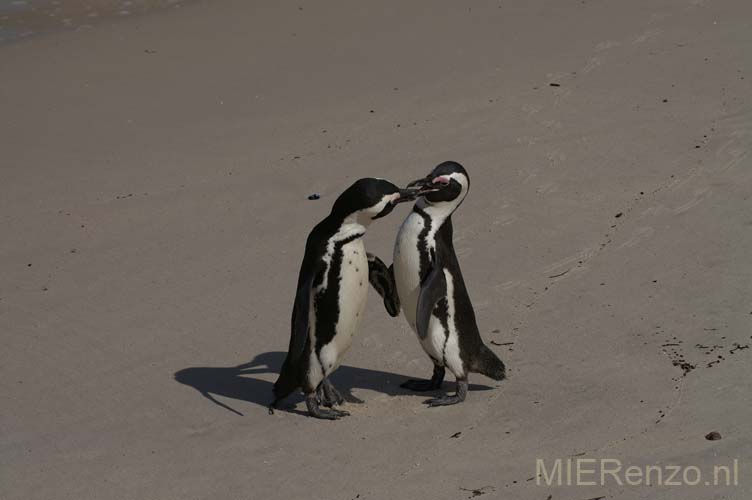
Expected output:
(488, 364)
(287, 382)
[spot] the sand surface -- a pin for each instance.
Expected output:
(154, 175)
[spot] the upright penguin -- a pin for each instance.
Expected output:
(431, 289)
(331, 294)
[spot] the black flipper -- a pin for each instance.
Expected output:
(301, 313)
(432, 290)
(382, 280)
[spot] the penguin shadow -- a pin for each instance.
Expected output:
(238, 382)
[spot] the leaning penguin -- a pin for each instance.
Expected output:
(429, 285)
(331, 295)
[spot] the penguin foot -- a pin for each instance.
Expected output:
(329, 395)
(451, 400)
(426, 385)
(444, 401)
(316, 411)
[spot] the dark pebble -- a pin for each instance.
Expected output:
(619, 215)
(314, 196)
(713, 436)
(554, 85)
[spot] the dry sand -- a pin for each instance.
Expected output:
(153, 184)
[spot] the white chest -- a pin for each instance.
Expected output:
(353, 286)
(407, 264)
(353, 292)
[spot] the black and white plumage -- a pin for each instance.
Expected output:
(431, 289)
(331, 294)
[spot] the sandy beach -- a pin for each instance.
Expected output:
(154, 180)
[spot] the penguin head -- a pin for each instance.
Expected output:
(369, 199)
(446, 185)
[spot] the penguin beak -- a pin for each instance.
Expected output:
(428, 184)
(405, 195)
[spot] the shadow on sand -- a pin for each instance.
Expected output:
(237, 382)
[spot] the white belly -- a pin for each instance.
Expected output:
(352, 301)
(406, 260)
(440, 344)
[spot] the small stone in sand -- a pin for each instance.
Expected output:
(713, 436)
(314, 196)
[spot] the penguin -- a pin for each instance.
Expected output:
(331, 294)
(429, 284)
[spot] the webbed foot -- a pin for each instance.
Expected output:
(330, 396)
(451, 400)
(316, 411)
